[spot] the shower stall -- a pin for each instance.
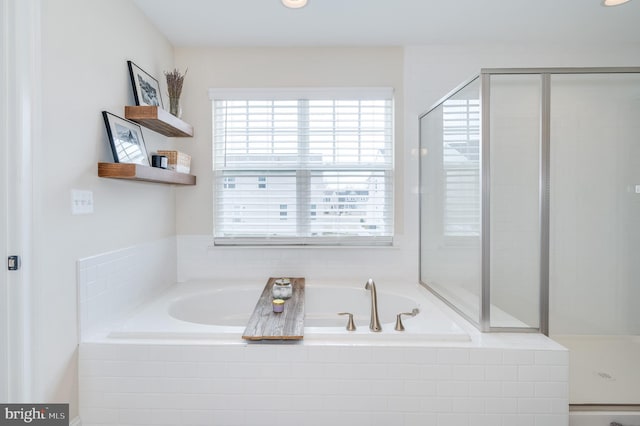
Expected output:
(530, 215)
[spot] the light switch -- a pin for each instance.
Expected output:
(637, 189)
(81, 202)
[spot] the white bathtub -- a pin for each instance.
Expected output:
(217, 311)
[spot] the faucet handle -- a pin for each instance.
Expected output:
(399, 326)
(351, 326)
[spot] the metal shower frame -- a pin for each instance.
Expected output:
(484, 321)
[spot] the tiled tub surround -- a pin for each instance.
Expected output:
(233, 383)
(499, 379)
(111, 284)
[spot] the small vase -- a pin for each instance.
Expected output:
(174, 107)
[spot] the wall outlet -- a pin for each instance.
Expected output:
(81, 202)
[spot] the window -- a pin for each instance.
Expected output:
(461, 164)
(229, 183)
(309, 166)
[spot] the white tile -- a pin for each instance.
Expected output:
(205, 402)
(518, 389)
(437, 405)
(292, 353)
(501, 372)
(346, 403)
(453, 420)
(420, 356)
(558, 373)
(136, 417)
(229, 418)
(404, 404)
(552, 357)
(197, 417)
(560, 405)
(420, 388)
(193, 385)
(534, 405)
(415, 419)
(129, 352)
(384, 387)
(453, 356)
(486, 356)
(486, 389)
(266, 354)
(551, 420)
(486, 420)
(436, 372)
(304, 402)
(214, 370)
(328, 354)
(453, 389)
(468, 372)
(180, 369)
(519, 420)
(315, 371)
(501, 405)
(398, 371)
(292, 418)
(468, 405)
(518, 357)
(533, 373)
(552, 390)
(99, 416)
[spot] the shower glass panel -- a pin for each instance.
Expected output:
(595, 233)
(514, 134)
(530, 213)
(595, 170)
(450, 258)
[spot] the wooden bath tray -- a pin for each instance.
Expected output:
(264, 324)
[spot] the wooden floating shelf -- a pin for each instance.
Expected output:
(131, 171)
(158, 120)
(264, 324)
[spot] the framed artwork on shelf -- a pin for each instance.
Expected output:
(125, 137)
(146, 89)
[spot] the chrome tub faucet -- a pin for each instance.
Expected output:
(374, 324)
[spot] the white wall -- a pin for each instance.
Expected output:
(85, 46)
(286, 67)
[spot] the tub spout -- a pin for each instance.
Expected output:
(374, 324)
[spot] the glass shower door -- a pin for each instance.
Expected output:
(595, 233)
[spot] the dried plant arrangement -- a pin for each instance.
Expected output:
(174, 86)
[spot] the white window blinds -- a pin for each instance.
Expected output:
(461, 164)
(303, 166)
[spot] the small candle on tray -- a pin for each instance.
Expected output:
(278, 305)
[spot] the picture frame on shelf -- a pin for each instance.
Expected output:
(127, 142)
(146, 89)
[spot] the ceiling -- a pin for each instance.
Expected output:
(392, 22)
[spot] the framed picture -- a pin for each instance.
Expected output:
(126, 140)
(146, 89)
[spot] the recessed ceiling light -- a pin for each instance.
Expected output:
(294, 4)
(613, 2)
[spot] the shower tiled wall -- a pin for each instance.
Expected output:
(115, 282)
(199, 259)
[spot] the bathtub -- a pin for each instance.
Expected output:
(208, 310)
(180, 359)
